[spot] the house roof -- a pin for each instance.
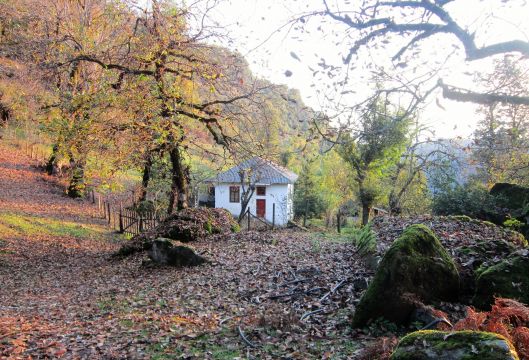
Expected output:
(263, 172)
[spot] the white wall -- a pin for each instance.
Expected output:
(279, 194)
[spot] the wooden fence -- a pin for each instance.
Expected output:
(258, 222)
(34, 144)
(122, 217)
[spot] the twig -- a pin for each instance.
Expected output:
(244, 338)
(437, 321)
(340, 284)
(313, 290)
(225, 319)
(294, 282)
(310, 313)
(278, 296)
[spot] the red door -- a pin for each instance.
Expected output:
(261, 207)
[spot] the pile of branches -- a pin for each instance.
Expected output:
(187, 225)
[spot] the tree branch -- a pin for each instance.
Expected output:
(463, 95)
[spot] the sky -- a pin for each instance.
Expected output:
(252, 26)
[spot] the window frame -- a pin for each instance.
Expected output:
(257, 188)
(234, 194)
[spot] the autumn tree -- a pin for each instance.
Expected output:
(379, 143)
(107, 59)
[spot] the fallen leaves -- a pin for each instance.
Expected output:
(290, 293)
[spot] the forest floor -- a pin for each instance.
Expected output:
(280, 294)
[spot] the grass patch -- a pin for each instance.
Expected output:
(12, 224)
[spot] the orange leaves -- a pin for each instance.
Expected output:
(507, 317)
(18, 334)
(473, 321)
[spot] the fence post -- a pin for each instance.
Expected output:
(140, 226)
(93, 197)
(248, 213)
(338, 222)
(121, 218)
(108, 208)
(273, 215)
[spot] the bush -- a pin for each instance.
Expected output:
(365, 240)
(513, 224)
(470, 200)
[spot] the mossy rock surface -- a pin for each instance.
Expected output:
(509, 279)
(458, 345)
(415, 268)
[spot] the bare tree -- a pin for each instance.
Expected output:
(249, 177)
(413, 22)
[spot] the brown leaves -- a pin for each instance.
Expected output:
(507, 317)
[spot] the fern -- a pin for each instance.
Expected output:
(507, 317)
(365, 240)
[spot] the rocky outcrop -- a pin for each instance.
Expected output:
(415, 269)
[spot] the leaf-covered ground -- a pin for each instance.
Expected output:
(263, 295)
(62, 294)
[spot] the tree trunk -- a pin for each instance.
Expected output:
(306, 211)
(393, 204)
(365, 213)
(146, 177)
(51, 165)
(77, 187)
(178, 197)
(245, 200)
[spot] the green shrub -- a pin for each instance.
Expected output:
(513, 224)
(365, 240)
(470, 199)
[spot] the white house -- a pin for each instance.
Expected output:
(272, 198)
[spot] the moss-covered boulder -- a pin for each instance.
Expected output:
(463, 345)
(164, 252)
(415, 269)
(509, 279)
(478, 255)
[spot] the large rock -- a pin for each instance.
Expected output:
(508, 279)
(164, 252)
(478, 255)
(463, 345)
(415, 269)
(516, 197)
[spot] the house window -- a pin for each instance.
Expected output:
(234, 194)
(261, 190)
